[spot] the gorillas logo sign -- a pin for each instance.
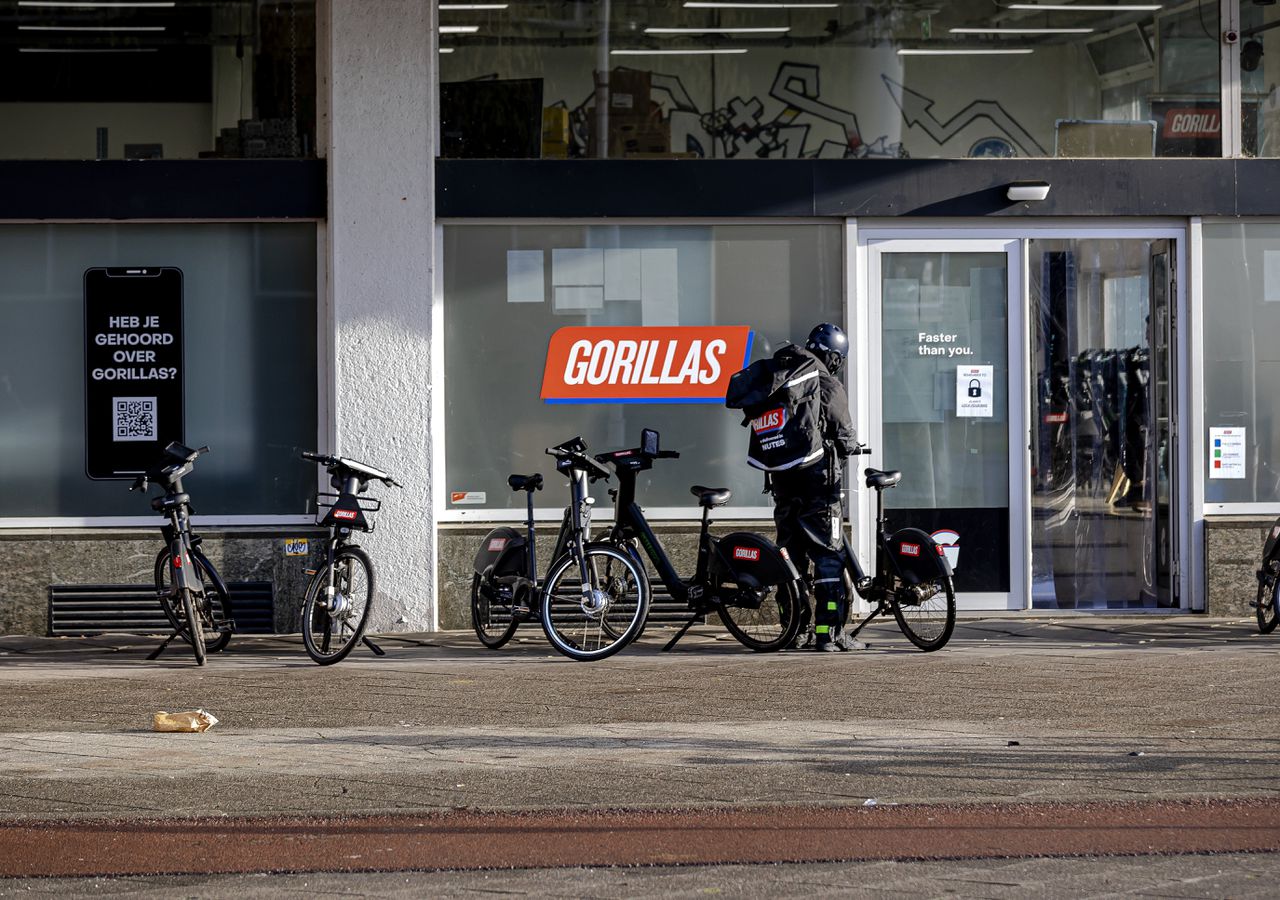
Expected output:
(643, 365)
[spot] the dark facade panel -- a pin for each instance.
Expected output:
(871, 188)
(163, 189)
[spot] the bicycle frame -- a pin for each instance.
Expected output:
(631, 524)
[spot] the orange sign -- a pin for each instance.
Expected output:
(686, 364)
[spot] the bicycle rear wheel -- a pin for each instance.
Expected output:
(331, 630)
(195, 628)
(926, 622)
(215, 638)
(492, 614)
(1268, 598)
(596, 620)
(762, 619)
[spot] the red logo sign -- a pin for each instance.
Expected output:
(643, 365)
(1057, 418)
(496, 545)
(751, 554)
(770, 422)
(1189, 122)
(344, 513)
(910, 549)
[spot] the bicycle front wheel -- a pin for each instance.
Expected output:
(762, 619)
(1268, 596)
(195, 628)
(492, 616)
(217, 603)
(331, 627)
(927, 622)
(594, 620)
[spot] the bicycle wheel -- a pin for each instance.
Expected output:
(1268, 597)
(331, 630)
(763, 619)
(492, 614)
(596, 620)
(927, 622)
(215, 639)
(195, 627)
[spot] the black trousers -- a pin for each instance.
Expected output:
(807, 511)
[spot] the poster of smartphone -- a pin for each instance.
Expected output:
(133, 367)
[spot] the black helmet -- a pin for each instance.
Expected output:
(830, 344)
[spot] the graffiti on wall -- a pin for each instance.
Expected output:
(917, 111)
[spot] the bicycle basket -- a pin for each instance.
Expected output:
(346, 511)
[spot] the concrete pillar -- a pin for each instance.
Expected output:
(376, 79)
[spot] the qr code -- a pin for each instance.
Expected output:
(133, 419)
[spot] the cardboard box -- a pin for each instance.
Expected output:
(633, 136)
(555, 132)
(629, 90)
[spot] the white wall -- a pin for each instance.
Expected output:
(377, 97)
(70, 130)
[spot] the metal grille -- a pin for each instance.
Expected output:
(82, 609)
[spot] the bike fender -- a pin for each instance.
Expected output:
(1269, 549)
(214, 575)
(753, 557)
(504, 550)
(916, 556)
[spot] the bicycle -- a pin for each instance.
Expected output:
(339, 596)
(743, 577)
(191, 592)
(594, 598)
(1267, 606)
(912, 576)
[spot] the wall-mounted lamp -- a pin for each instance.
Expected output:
(1027, 190)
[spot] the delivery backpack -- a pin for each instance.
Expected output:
(781, 402)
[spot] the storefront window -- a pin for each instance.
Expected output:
(1259, 72)
(1242, 363)
(850, 80)
(509, 289)
(249, 317)
(228, 78)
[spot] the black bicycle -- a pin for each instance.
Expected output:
(192, 594)
(339, 597)
(743, 577)
(912, 577)
(594, 598)
(1267, 605)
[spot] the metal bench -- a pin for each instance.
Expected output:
(84, 609)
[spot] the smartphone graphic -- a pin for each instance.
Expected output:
(133, 368)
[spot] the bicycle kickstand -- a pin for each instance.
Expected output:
(681, 633)
(863, 624)
(155, 654)
(377, 651)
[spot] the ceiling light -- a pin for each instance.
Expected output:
(674, 52)
(91, 28)
(968, 52)
(459, 29)
(87, 50)
(717, 4)
(1021, 30)
(100, 4)
(781, 29)
(471, 6)
(1088, 7)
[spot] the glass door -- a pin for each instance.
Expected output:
(946, 395)
(1103, 442)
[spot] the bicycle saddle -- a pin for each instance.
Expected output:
(881, 480)
(711, 497)
(526, 482)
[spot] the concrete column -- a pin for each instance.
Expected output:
(377, 70)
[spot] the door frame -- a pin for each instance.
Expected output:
(867, 237)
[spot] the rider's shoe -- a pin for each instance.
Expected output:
(842, 641)
(802, 641)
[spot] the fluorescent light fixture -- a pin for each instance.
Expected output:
(87, 50)
(91, 28)
(1027, 190)
(471, 6)
(718, 4)
(1021, 31)
(459, 29)
(100, 4)
(781, 29)
(675, 52)
(975, 51)
(1089, 7)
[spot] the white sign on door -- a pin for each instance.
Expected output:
(1226, 453)
(974, 385)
